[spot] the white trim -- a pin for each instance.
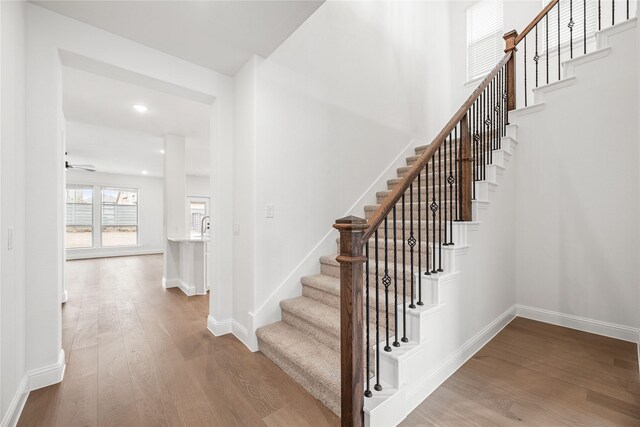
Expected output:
(178, 283)
(230, 326)
(70, 255)
(12, 415)
(459, 358)
(540, 91)
(598, 327)
(47, 375)
(522, 111)
(570, 65)
(65, 296)
(219, 327)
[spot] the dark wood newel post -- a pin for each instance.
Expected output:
(466, 170)
(510, 46)
(351, 261)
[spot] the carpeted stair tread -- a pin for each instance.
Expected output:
(320, 315)
(312, 364)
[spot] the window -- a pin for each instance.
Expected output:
(119, 217)
(568, 10)
(485, 45)
(79, 217)
(198, 208)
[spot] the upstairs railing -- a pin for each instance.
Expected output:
(386, 259)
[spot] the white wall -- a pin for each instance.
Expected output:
(198, 186)
(12, 210)
(48, 33)
(150, 206)
(334, 105)
(579, 196)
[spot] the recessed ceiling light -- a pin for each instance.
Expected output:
(140, 108)
(144, 172)
(161, 151)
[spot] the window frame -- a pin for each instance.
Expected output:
(93, 219)
(137, 205)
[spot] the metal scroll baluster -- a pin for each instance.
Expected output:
(441, 207)
(367, 391)
(489, 124)
(525, 71)
(613, 12)
(451, 180)
(395, 278)
(505, 110)
(377, 386)
(386, 282)
(558, 10)
(474, 147)
(411, 241)
(570, 25)
(434, 208)
(536, 57)
(546, 38)
(455, 147)
(404, 278)
(426, 180)
(447, 206)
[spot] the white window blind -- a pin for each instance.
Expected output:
(568, 9)
(485, 45)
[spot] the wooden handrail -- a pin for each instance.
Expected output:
(535, 21)
(393, 198)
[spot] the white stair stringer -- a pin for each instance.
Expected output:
(411, 372)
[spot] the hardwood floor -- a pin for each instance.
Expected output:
(139, 355)
(535, 374)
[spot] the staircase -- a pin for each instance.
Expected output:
(401, 323)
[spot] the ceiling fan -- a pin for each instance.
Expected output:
(88, 168)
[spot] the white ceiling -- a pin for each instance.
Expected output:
(105, 131)
(219, 35)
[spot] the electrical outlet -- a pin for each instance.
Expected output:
(270, 211)
(236, 229)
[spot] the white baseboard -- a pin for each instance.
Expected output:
(230, 326)
(74, 254)
(598, 327)
(219, 327)
(47, 375)
(459, 358)
(12, 415)
(177, 283)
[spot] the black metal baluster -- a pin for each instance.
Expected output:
(599, 16)
(451, 181)
(525, 71)
(536, 57)
(404, 278)
(570, 25)
(367, 391)
(377, 386)
(613, 12)
(447, 206)
(395, 277)
(546, 38)
(627, 9)
(386, 282)
(440, 207)
(433, 214)
(412, 240)
(558, 6)
(474, 149)
(584, 26)
(505, 112)
(426, 180)
(455, 147)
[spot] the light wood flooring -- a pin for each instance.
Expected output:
(535, 374)
(139, 355)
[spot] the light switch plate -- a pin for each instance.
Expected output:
(236, 229)
(270, 211)
(10, 238)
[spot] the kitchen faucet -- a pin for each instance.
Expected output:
(204, 218)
